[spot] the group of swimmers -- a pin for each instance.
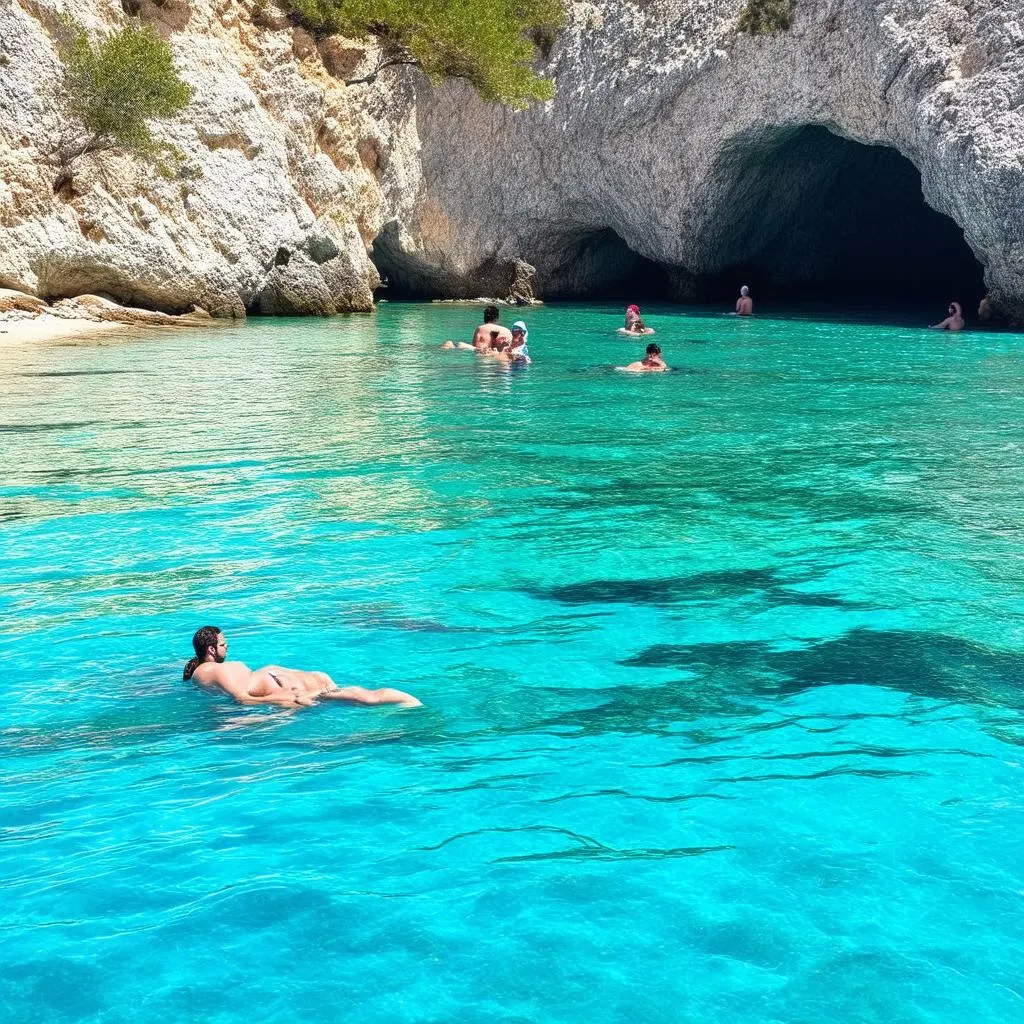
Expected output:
(292, 688)
(635, 325)
(493, 341)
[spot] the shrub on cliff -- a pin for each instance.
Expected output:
(766, 17)
(490, 43)
(113, 88)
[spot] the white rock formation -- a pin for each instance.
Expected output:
(701, 148)
(281, 192)
(672, 138)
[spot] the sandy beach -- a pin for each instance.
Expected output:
(45, 328)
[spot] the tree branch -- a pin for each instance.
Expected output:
(388, 62)
(93, 144)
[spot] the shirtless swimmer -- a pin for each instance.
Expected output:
(273, 684)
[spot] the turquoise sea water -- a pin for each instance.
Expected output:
(722, 673)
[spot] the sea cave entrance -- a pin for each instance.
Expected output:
(801, 215)
(813, 216)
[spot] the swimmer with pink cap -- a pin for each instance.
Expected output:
(634, 324)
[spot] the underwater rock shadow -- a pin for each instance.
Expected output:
(739, 677)
(723, 584)
(933, 665)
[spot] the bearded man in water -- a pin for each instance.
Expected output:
(273, 684)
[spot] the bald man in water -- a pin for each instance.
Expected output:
(287, 687)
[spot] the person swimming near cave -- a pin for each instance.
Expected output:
(744, 304)
(651, 362)
(514, 352)
(635, 325)
(954, 321)
(519, 350)
(632, 315)
(482, 335)
(273, 684)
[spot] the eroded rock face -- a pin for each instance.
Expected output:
(675, 139)
(674, 146)
(275, 159)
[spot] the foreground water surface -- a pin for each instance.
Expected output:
(722, 674)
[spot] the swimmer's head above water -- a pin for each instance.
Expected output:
(490, 314)
(209, 644)
(744, 291)
(653, 350)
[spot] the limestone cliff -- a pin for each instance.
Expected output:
(676, 139)
(675, 145)
(281, 192)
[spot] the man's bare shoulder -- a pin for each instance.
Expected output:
(484, 331)
(221, 673)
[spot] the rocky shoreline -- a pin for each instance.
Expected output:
(27, 318)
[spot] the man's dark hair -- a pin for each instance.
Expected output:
(201, 639)
(653, 350)
(490, 314)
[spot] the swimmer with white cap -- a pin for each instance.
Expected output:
(744, 304)
(519, 351)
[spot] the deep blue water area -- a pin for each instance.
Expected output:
(721, 671)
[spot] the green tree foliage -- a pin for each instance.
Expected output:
(490, 43)
(116, 86)
(766, 17)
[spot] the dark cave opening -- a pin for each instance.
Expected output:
(572, 263)
(803, 217)
(819, 217)
(600, 265)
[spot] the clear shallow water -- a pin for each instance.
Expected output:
(722, 672)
